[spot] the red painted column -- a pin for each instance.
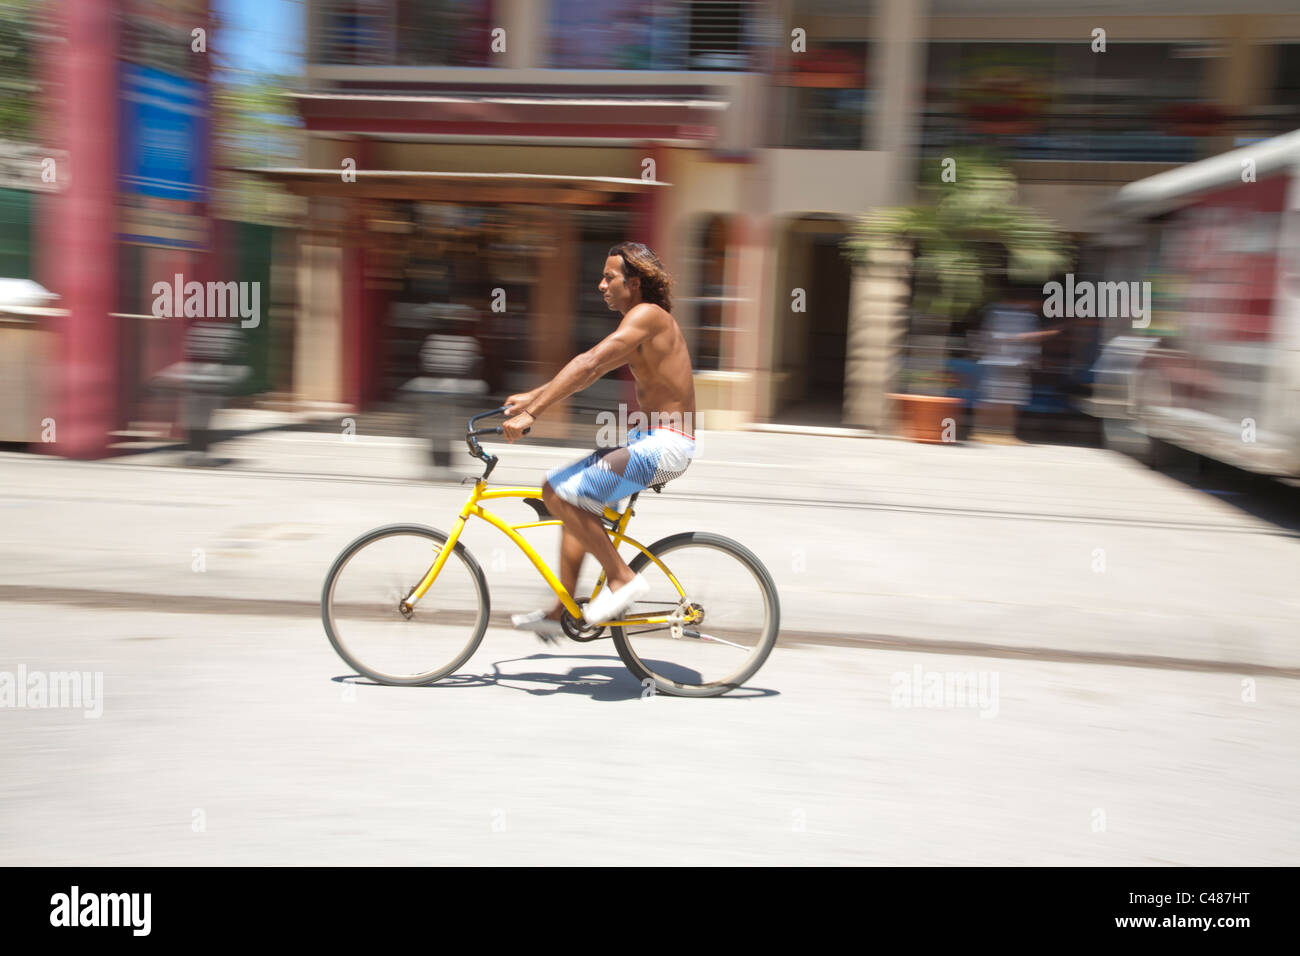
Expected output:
(363, 312)
(378, 301)
(354, 324)
(356, 303)
(645, 221)
(79, 250)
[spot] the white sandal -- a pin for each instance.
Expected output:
(610, 604)
(547, 628)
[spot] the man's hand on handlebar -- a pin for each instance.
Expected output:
(515, 427)
(521, 401)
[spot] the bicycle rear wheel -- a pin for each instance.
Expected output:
(730, 610)
(362, 606)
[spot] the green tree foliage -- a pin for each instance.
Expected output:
(19, 31)
(966, 233)
(962, 234)
(254, 124)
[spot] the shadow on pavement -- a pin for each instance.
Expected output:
(1268, 499)
(600, 680)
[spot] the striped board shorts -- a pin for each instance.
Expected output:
(609, 475)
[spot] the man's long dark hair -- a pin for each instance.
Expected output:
(640, 263)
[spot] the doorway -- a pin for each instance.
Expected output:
(813, 344)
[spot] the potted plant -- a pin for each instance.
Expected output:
(967, 231)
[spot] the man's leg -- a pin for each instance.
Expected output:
(583, 534)
(1017, 398)
(1004, 417)
(994, 420)
(571, 551)
(571, 554)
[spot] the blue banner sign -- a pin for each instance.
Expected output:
(164, 135)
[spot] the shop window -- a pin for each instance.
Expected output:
(651, 35)
(405, 32)
(356, 32)
(444, 32)
(823, 96)
(1138, 102)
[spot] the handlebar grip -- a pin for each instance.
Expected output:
(498, 430)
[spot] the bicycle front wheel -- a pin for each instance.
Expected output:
(365, 616)
(730, 610)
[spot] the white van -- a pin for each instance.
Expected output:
(1215, 368)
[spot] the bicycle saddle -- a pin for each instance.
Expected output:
(544, 513)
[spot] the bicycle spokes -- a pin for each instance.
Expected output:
(723, 623)
(377, 624)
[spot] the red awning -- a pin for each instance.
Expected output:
(681, 119)
(436, 185)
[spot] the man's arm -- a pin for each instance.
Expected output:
(614, 350)
(523, 399)
(608, 354)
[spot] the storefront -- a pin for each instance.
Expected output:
(394, 257)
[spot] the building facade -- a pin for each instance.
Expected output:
(483, 154)
(470, 162)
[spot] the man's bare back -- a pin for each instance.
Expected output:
(665, 382)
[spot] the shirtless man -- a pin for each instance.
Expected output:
(649, 341)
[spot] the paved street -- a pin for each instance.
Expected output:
(1134, 636)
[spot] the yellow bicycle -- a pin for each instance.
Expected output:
(408, 604)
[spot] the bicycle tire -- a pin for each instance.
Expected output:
(341, 562)
(674, 688)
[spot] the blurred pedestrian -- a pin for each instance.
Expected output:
(452, 361)
(1009, 351)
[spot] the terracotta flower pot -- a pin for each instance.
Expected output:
(921, 417)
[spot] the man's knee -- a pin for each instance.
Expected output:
(554, 503)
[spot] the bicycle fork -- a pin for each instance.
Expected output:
(407, 604)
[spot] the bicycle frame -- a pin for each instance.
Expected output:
(473, 509)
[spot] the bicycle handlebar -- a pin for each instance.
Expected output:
(471, 431)
(471, 439)
(496, 411)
